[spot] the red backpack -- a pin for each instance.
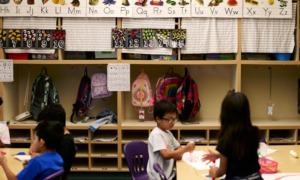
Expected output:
(187, 98)
(167, 85)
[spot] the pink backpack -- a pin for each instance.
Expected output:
(167, 85)
(142, 91)
(99, 86)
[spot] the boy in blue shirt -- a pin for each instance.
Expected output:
(47, 137)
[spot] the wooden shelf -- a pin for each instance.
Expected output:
(214, 78)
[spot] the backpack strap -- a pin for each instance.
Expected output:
(44, 71)
(72, 115)
(141, 87)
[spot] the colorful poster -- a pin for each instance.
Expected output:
(29, 38)
(267, 9)
(14, 38)
(3, 38)
(161, 8)
(217, 8)
(109, 8)
(60, 8)
(16, 8)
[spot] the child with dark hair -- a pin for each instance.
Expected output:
(67, 148)
(238, 141)
(4, 132)
(163, 147)
(47, 137)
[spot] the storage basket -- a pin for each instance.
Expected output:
(267, 166)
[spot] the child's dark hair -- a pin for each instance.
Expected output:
(163, 107)
(236, 127)
(53, 112)
(51, 132)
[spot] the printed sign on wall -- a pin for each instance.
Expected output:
(6, 70)
(60, 8)
(19, 8)
(109, 8)
(267, 9)
(148, 8)
(217, 8)
(161, 8)
(118, 77)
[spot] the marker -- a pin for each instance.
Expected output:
(294, 154)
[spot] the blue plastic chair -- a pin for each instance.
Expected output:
(55, 176)
(159, 170)
(136, 154)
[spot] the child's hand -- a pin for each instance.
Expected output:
(190, 146)
(210, 156)
(2, 160)
(213, 171)
(179, 158)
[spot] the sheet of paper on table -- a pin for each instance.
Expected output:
(23, 158)
(194, 159)
(281, 176)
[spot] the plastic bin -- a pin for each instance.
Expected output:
(267, 166)
(282, 56)
(17, 56)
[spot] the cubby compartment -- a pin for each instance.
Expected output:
(124, 165)
(197, 136)
(298, 135)
(82, 150)
(175, 133)
(20, 136)
(104, 136)
(273, 86)
(213, 82)
(280, 136)
(66, 79)
(213, 137)
(80, 164)
(134, 135)
(104, 150)
(80, 136)
(104, 164)
(264, 135)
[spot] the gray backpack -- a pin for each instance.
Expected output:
(99, 86)
(43, 93)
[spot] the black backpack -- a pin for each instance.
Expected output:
(187, 99)
(43, 93)
(83, 100)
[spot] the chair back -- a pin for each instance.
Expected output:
(55, 176)
(136, 154)
(159, 170)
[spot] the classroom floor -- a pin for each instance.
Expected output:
(99, 176)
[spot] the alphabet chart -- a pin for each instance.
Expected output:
(118, 77)
(6, 70)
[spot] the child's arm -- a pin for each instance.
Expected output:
(219, 171)
(177, 152)
(9, 174)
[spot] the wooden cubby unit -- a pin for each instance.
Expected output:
(214, 79)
